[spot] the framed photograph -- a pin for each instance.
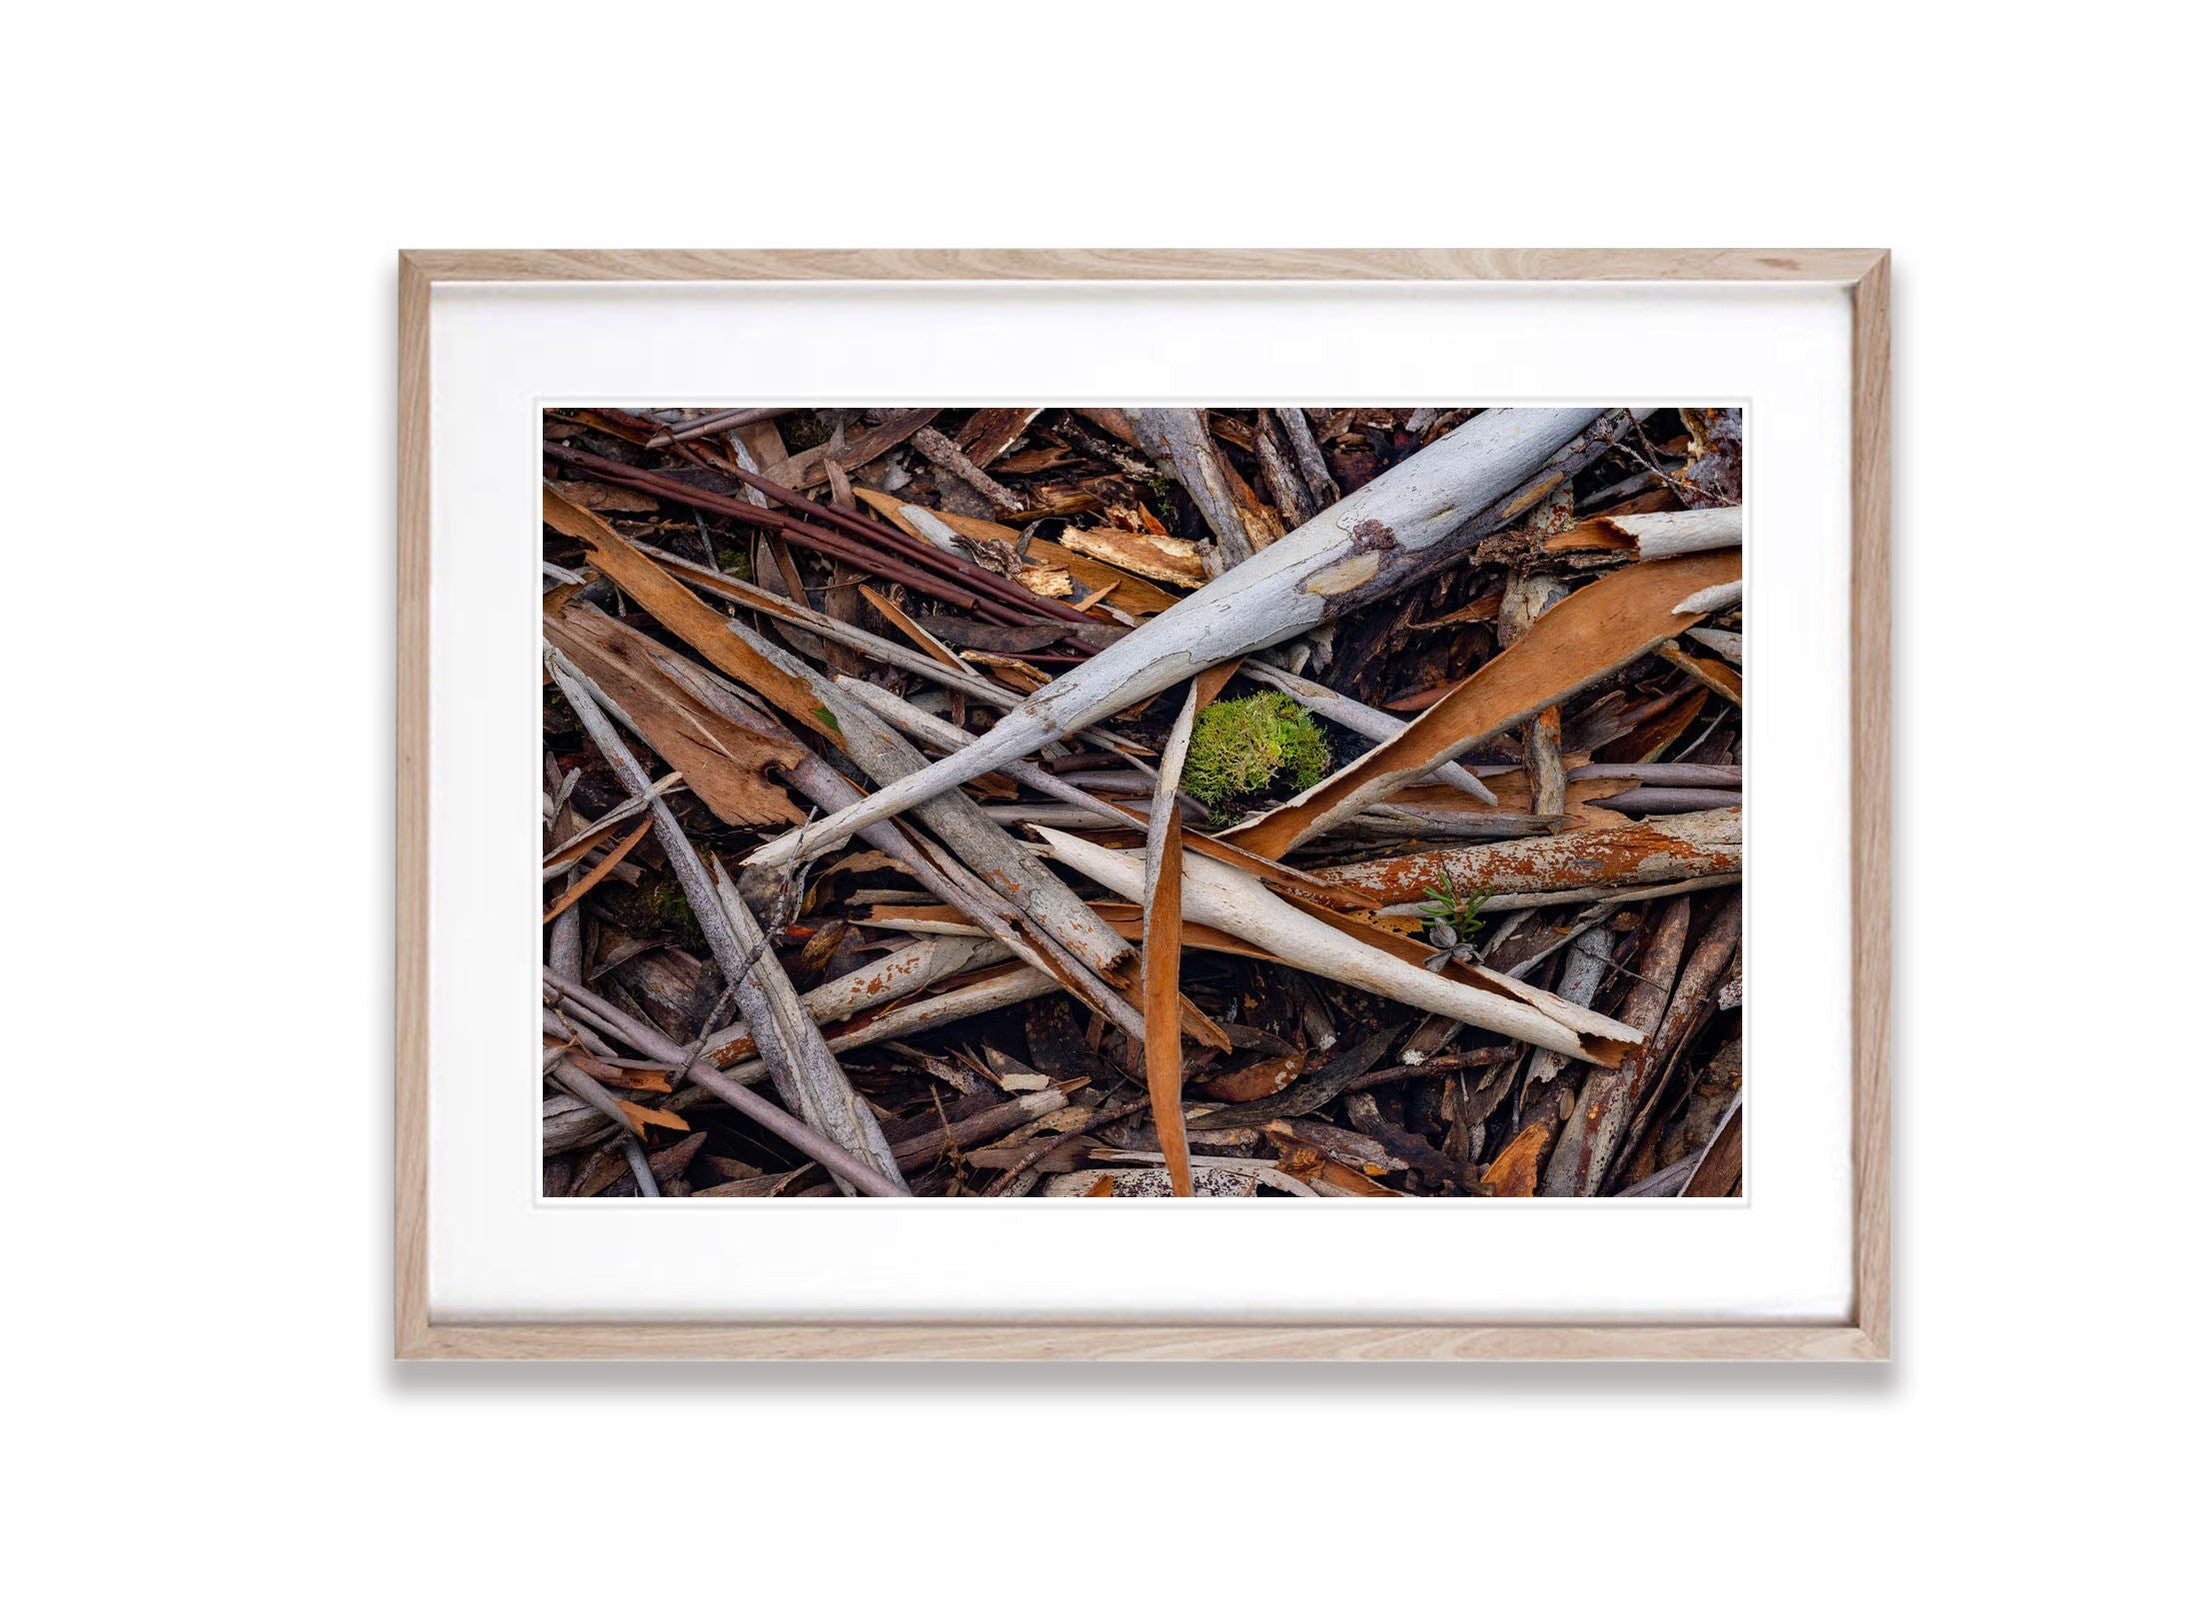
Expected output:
(897, 747)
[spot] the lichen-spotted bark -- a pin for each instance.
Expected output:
(1664, 850)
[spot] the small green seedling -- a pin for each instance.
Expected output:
(1455, 919)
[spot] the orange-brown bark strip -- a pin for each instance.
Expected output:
(695, 623)
(1586, 636)
(722, 761)
(1512, 1174)
(1163, 1043)
(598, 873)
(1660, 850)
(1163, 955)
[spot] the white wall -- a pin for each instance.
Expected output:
(206, 203)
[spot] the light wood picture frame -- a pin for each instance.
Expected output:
(1863, 1335)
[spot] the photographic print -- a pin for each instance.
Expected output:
(1061, 802)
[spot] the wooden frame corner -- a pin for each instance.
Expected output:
(1866, 1335)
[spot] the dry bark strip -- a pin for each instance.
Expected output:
(985, 437)
(598, 872)
(938, 1010)
(723, 763)
(1293, 501)
(1526, 597)
(1407, 522)
(1668, 849)
(1585, 966)
(1721, 679)
(1583, 638)
(1607, 1041)
(1163, 905)
(682, 614)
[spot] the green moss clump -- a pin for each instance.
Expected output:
(1242, 748)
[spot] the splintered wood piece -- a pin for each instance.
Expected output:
(1293, 502)
(1411, 519)
(1583, 638)
(1694, 998)
(1132, 594)
(1724, 641)
(989, 433)
(1586, 965)
(1154, 555)
(1659, 536)
(1718, 1170)
(1512, 1174)
(1526, 597)
(987, 994)
(1721, 679)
